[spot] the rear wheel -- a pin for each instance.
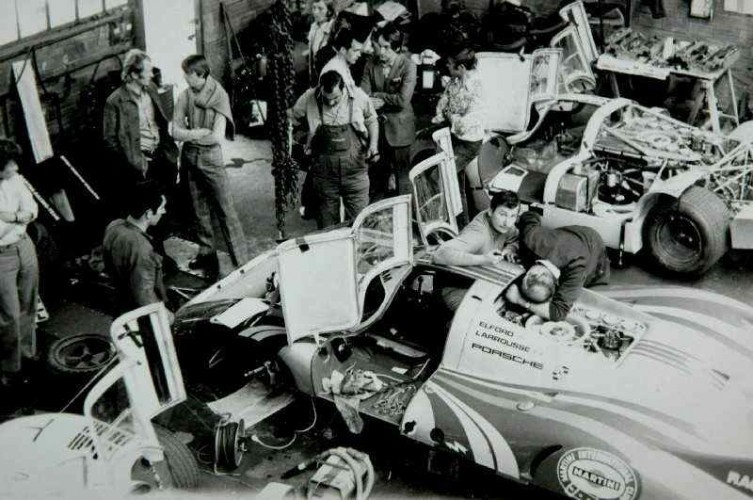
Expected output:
(688, 236)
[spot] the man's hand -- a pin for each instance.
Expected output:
(510, 254)
(438, 119)
(494, 257)
(373, 152)
(513, 295)
(377, 102)
(201, 133)
(170, 317)
(24, 216)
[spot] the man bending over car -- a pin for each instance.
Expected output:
(560, 263)
(489, 238)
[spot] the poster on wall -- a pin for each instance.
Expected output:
(702, 9)
(739, 6)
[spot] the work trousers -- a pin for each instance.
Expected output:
(395, 161)
(335, 176)
(465, 152)
(19, 285)
(210, 190)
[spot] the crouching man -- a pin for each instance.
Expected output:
(560, 263)
(129, 254)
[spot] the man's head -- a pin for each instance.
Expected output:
(331, 87)
(322, 10)
(389, 40)
(539, 283)
(461, 61)
(137, 68)
(347, 46)
(503, 211)
(195, 71)
(147, 204)
(10, 157)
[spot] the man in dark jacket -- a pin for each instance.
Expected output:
(390, 79)
(560, 263)
(135, 132)
(130, 258)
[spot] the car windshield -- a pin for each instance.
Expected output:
(430, 197)
(375, 241)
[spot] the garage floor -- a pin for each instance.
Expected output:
(401, 469)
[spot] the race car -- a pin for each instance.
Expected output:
(640, 393)
(113, 449)
(640, 178)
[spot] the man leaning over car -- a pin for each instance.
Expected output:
(489, 238)
(560, 263)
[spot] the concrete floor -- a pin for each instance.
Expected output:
(399, 471)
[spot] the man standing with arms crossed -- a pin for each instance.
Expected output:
(135, 132)
(202, 120)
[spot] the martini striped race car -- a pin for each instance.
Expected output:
(643, 393)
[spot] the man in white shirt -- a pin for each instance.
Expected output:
(19, 270)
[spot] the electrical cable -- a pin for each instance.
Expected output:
(313, 423)
(351, 458)
(255, 438)
(89, 383)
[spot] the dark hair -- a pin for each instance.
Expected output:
(508, 199)
(196, 64)
(9, 151)
(329, 80)
(329, 4)
(465, 57)
(390, 33)
(145, 196)
(133, 63)
(343, 39)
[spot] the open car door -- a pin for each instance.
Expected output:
(437, 196)
(323, 277)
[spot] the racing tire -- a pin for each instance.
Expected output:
(81, 355)
(689, 235)
(180, 461)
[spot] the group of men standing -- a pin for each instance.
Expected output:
(352, 126)
(342, 120)
(140, 140)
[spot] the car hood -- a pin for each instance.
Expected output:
(687, 379)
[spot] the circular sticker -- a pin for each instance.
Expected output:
(589, 474)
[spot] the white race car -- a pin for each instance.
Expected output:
(642, 393)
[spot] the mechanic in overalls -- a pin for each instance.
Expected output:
(340, 121)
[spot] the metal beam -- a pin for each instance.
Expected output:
(15, 49)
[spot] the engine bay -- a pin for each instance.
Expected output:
(603, 334)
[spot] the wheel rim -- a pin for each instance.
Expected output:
(680, 237)
(84, 354)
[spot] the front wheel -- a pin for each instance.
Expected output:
(688, 236)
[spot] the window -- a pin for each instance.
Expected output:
(23, 18)
(740, 6)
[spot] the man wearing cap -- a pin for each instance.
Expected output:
(489, 238)
(560, 263)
